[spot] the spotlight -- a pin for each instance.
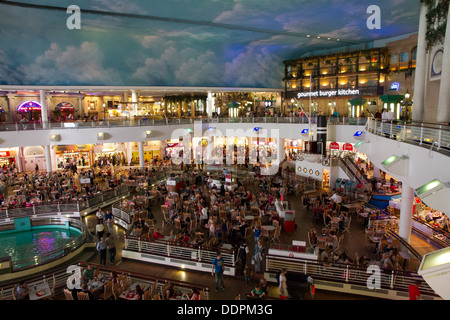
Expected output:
(55, 137)
(148, 133)
(100, 136)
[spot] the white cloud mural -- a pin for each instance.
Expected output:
(181, 42)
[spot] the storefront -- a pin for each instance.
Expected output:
(152, 151)
(65, 111)
(81, 155)
(108, 151)
(29, 110)
(7, 156)
(2, 114)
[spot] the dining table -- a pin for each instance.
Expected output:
(40, 291)
(130, 293)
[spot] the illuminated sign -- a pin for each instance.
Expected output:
(395, 86)
(330, 93)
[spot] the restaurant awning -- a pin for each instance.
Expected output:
(357, 100)
(392, 96)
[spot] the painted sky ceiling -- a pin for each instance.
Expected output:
(212, 43)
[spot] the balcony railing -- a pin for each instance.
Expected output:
(429, 135)
(168, 122)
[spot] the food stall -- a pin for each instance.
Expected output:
(174, 184)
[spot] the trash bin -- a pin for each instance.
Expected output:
(289, 223)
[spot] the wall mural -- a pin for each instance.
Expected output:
(235, 43)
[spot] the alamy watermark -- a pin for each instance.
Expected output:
(373, 22)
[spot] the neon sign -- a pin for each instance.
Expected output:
(28, 106)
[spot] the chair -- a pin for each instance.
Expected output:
(68, 294)
(153, 288)
(147, 295)
(108, 291)
(14, 292)
(312, 245)
(177, 224)
(156, 297)
(276, 235)
(264, 233)
(82, 296)
(347, 225)
(202, 295)
(248, 232)
(116, 291)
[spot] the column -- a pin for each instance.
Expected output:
(179, 108)
(129, 152)
(210, 104)
(405, 223)
(134, 100)
(192, 109)
(10, 118)
(443, 112)
(48, 158)
(421, 67)
(141, 154)
(44, 113)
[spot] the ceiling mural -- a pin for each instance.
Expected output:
(208, 43)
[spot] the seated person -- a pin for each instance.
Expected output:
(84, 288)
(22, 292)
(157, 234)
(258, 292)
(89, 273)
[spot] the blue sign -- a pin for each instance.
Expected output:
(395, 86)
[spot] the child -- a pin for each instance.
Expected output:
(248, 272)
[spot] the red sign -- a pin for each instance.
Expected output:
(348, 147)
(4, 153)
(334, 146)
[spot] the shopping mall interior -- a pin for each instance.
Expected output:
(224, 151)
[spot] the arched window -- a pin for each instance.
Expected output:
(394, 58)
(404, 56)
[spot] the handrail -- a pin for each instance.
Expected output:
(166, 122)
(417, 133)
(346, 273)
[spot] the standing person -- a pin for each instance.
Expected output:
(258, 256)
(242, 256)
(109, 221)
(414, 291)
(282, 284)
(217, 271)
(111, 246)
(101, 248)
(100, 215)
(36, 168)
(99, 229)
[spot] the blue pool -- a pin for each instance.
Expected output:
(26, 244)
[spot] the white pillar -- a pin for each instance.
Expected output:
(210, 104)
(141, 154)
(443, 111)
(406, 212)
(48, 158)
(421, 67)
(129, 152)
(134, 100)
(44, 113)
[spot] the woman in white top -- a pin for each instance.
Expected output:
(283, 285)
